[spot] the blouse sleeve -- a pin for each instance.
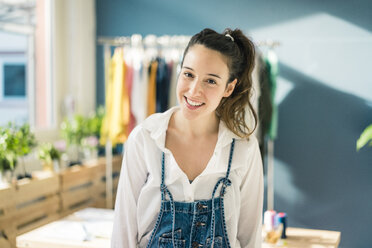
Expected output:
(250, 220)
(132, 177)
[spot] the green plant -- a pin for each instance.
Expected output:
(73, 130)
(365, 138)
(15, 141)
(94, 122)
(47, 153)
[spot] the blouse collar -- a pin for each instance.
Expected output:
(157, 125)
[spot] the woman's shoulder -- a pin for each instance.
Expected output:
(249, 142)
(152, 127)
(247, 148)
(158, 120)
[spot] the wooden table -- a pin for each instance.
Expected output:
(92, 228)
(87, 228)
(308, 238)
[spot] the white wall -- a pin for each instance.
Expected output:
(74, 60)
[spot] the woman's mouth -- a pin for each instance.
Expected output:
(193, 104)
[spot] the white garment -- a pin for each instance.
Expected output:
(173, 83)
(135, 57)
(138, 197)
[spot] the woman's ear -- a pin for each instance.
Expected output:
(230, 88)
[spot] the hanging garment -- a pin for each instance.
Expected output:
(173, 83)
(129, 85)
(139, 93)
(196, 224)
(116, 120)
(273, 70)
(264, 104)
(151, 93)
(162, 85)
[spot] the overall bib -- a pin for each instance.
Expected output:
(192, 224)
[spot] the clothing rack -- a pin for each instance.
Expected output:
(147, 41)
(268, 43)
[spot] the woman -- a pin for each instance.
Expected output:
(192, 176)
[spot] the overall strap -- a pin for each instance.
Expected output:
(163, 188)
(164, 191)
(226, 182)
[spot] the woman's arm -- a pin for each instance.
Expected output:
(250, 220)
(132, 177)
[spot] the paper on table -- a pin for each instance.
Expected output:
(64, 230)
(81, 226)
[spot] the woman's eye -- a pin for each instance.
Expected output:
(211, 81)
(188, 74)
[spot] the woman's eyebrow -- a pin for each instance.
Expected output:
(214, 75)
(188, 68)
(210, 74)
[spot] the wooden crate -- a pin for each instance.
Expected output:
(101, 174)
(27, 204)
(78, 188)
(7, 239)
(36, 202)
(7, 231)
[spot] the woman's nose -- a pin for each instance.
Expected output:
(195, 87)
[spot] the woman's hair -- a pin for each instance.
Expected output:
(240, 54)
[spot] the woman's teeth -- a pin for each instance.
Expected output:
(192, 103)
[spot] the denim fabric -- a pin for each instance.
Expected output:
(192, 224)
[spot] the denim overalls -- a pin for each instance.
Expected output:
(192, 224)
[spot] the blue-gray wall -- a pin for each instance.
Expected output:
(324, 95)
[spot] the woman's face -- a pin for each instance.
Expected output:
(202, 82)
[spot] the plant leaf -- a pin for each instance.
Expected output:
(364, 138)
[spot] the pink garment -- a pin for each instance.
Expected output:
(129, 85)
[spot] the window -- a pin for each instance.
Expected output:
(14, 80)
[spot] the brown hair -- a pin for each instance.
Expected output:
(240, 54)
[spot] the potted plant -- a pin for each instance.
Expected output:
(49, 156)
(94, 122)
(365, 138)
(27, 142)
(15, 142)
(6, 159)
(73, 130)
(92, 131)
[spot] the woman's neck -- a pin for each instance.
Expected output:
(198, 128)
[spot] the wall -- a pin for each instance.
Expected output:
(324, 95)
(74, 56)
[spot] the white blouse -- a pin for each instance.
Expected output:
(138, 198)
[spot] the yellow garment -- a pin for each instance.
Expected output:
(151, 93)
(116, 120)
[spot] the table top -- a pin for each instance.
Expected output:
(92, 228)
(87, 228)
(308, 238)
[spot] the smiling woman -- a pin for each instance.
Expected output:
(192, 176)
(202, 83)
